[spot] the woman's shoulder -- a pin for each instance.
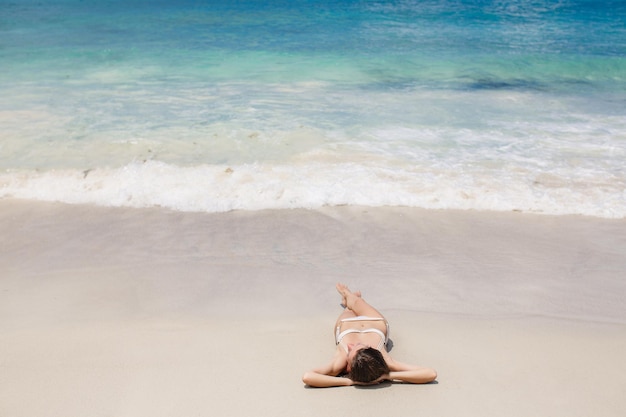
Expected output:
(340, 360)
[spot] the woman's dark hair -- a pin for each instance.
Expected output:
(368, 365)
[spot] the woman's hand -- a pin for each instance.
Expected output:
(382, 378)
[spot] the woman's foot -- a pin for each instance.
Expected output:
(346, 293)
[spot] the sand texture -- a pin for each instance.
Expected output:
(128, 312)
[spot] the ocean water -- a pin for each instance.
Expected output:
(249, 104)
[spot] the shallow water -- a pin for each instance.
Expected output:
(206, 106)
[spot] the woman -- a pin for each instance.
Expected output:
(361, 357)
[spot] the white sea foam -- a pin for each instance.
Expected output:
(313, 185)
(500, 151)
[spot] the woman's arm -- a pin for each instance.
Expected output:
(410, 373)
(416, 376)
(326, 376)
(317, 380)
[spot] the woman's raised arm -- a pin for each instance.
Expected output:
(326, 376)
(317, 380)
(410, 373)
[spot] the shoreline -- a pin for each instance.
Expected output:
(149, 312)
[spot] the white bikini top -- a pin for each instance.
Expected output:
(383, 339)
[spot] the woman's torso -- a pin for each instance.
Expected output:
(368, 331)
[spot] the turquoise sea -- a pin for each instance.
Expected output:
(221, 105)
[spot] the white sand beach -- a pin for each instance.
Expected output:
(150, 312)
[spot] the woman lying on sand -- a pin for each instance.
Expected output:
(361, 357)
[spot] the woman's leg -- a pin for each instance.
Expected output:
(346, 313)
(354, 304)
